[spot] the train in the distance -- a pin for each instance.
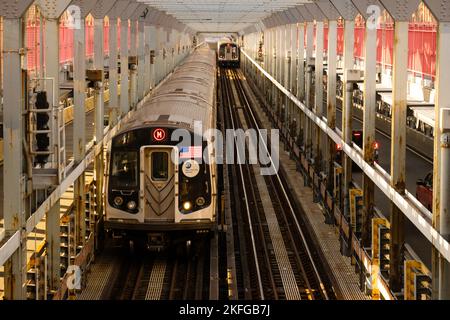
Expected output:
(228, 53)
(160, 187)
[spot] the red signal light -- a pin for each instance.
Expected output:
(338, 147)
(376, 145)
(159, 134)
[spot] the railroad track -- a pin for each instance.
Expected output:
(248, 275)
(190, 274)
(281, 261)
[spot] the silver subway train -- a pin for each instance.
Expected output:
(161, 174)
(228, 54)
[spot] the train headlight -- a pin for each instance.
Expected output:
(118, 201)
(187, 206)
(131, 205)
(200, 201)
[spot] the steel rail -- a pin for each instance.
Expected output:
(288, 201)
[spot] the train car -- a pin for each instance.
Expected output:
(228, 54)
(159, 186)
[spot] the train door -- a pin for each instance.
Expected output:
(228, 51)
(159, 180)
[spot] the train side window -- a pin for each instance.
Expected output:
(160, 166)
(429, 180)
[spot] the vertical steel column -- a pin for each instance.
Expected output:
(141, 60)
(133, 35)
(79, 124)
(52, 228)
(347, 108)
(270, 51)
(268, 66)
(301, 82)
(99, 64)
(309, 53)
(172, 49)
(319, 94)
(274, 66)
(1, 58)
(370, 79)
(441, 193)
(166, 46)
(293, 82)
(331, 96)
(169, 47)
(309, 59)
(146, 69)
(440, 267)
(444, 221)
(99, 61)
(398, 148)
(285, 77)
(277, 70)
(282, 60)
(159, 55)
(169, 55)
(133, 69)
(280, 54)
(401, 12)
(152, 45)
(293, 120)
(265, 61)
(332, 15)
(113, 73)
(13, 158)
(124, 72)
(176, 46)
(301, 63)
(286, 55)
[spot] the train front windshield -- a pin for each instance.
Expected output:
(124, 173)
(222, 51)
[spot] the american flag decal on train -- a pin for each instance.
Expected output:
(194, 152)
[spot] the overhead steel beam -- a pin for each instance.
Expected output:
(101, 8)
(346, 9)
